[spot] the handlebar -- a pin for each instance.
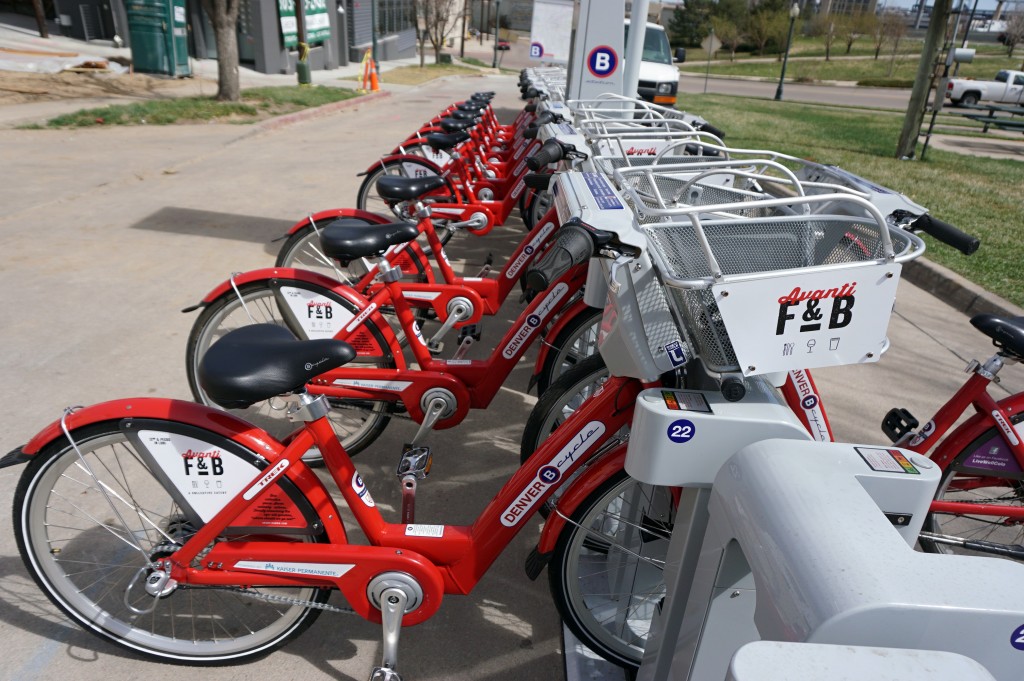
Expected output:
(552, 151)
(541, 120)
(947, 234)
(575, 244)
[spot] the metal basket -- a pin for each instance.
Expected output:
(697, 249)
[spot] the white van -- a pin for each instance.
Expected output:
(659, 77)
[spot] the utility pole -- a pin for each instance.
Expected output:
(302, 67)
(497, 22)
(462, 45)
(37, 5)
(923, 81)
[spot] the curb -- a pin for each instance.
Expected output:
(326, 109)
(952, 289)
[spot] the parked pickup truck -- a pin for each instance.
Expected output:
(1007, 87)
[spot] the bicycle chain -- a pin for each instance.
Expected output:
(274, 598)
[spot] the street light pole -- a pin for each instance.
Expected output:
(794, 12)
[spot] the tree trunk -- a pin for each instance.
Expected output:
(224, 17)
(227, 63)
(44, 32)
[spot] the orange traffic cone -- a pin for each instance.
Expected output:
(374, 83)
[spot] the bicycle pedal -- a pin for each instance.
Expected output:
(897, 423)
(474, 331)
(416, 461)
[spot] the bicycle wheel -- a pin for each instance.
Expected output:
(302, 251)
(368, 199)
(560, 401)
(88, 543)
(573, 344)
(356, 423)
(556, 405)
(607, 571)
(963, 483)
(540, 204)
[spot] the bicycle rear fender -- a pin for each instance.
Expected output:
(325, 217)
(420, 160)
(198, 416)
(966, 433)
(331, 288)
(582, 487)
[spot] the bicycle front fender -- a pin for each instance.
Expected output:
(556, 328)
(325, 217)
(579, 489)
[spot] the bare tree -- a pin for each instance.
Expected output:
(728, 33)
(825, 27)
(875, 26)
(852, 30)
(224, 16)
(896, 28)
(438, 19)
(1014, 32)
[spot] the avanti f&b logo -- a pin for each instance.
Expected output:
(812, 317)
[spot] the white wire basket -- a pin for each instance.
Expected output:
(770, 284)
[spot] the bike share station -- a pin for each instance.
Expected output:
(797, 561)
(699, 521)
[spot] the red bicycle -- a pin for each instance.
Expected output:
(439, 392)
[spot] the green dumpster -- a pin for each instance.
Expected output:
(159, 36)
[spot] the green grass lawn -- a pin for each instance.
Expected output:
(256, 104)
(981, 196)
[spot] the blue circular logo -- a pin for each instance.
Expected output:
(1017, 638)
(549, 474)
(602, 61)
(681, 431)
(810, 402)
(533, 320)
(536, 50)
(528, 250)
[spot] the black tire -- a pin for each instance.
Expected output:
(959, 482)
(969, 99)
(302, 251)
(85, 550)
(574, 343)
(587, 565)
(556, 405)
(356, 424)
(540, 203)
(560, 401)
(369, 200)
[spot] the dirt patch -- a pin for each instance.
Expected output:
(18, 87)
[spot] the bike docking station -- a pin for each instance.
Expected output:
(808, 547)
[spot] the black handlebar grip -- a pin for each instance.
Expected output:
(531, 107)
(948, 234)
(549, 152)
(733, 388)
(707, 127)
(573, 246)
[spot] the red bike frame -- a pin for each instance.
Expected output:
(449, 559)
